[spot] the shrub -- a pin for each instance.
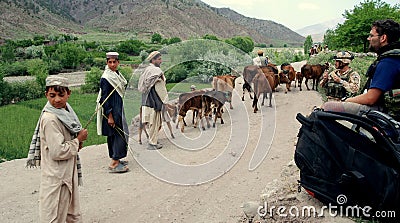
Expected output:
(92, 80)
(15, 69)
(39, 69)
(20, 91)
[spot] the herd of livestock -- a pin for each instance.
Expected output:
(206, 103)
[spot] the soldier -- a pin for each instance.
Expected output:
(343, 82)
(383, 75)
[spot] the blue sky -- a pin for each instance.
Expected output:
(294, 14)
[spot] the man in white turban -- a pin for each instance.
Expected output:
(154, 95)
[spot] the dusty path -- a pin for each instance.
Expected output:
(149, 192)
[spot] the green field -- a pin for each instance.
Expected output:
(19, 121)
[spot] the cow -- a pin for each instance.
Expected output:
(170, 109)
(250, 71)
(264, 82)
(191, 101)
(216, 99)
(313, 72)
(226, 84)
(299, 79)
(287, 75)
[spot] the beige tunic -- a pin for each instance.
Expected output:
(59, 198)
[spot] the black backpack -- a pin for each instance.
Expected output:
(350, 160)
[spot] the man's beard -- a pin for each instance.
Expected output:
(371, 48)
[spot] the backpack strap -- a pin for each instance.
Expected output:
(372, 68)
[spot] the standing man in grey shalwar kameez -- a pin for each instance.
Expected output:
(154, 95)
(111, 120)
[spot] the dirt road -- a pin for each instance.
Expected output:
(201, 176)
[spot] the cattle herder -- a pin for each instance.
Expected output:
(154, 95)
(260, 60)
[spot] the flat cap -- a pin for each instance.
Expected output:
(152, 55)
(113, 55)
(57, 81)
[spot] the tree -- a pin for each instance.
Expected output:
(131, 47)
(156, 38)
(211, 37)
(174, 40)
(244, 43)
(39, 69)
(7, 53)
(70, 55)
(308, 44)
(352, 34)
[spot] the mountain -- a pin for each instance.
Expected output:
(170, 18)
(271, 30)
(317, 31)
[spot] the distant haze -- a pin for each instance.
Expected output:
(317, 31)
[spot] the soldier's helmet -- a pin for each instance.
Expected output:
(344, 56)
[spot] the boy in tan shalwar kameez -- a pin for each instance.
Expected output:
(60, 136)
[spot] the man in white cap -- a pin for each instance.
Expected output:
(111, 120)
(260, 60)
(154, 95)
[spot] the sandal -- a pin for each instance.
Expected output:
(119, 169)
(124, 162)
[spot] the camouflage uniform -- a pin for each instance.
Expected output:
(348, 87)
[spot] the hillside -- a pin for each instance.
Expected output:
(170, 18)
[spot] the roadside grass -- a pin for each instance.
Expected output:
(19, 121)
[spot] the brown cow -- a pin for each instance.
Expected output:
(313, 72)
(264, 82)
(287, 75)
(216, 99)
(299, 79)
(226, 84)
(191, 101)
(250, 71)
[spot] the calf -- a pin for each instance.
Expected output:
(299, 79)
(191, 101)
(216, 99)
(287, 75)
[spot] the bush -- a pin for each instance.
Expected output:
(126, 71)
(92, 80)
(54, 67)
(39, 69)
(20, 91)
(15, 69)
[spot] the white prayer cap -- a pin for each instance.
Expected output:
(56, 81)
(112, 55)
